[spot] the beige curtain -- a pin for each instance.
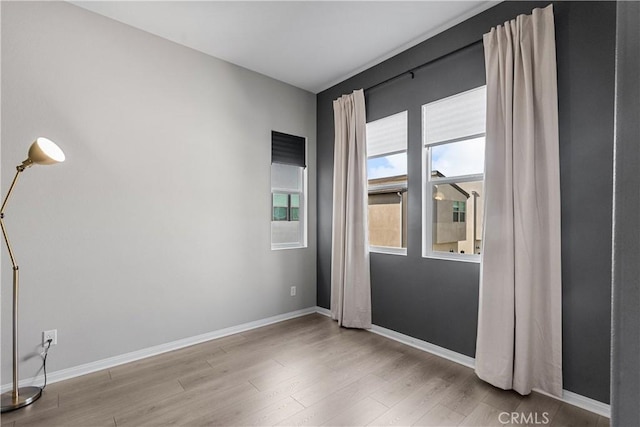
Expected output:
(519, 343)
(350, 277)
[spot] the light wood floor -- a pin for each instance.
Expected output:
(305, 371)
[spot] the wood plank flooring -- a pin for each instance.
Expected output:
(304, 371)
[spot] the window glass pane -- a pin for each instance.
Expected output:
(280, 207)
(387, 166)
(287, 215)
(286, 177)
(294, 211)
(285, 225)
(457, 217)
(295, 200)
(279, 214)
(458, 158)
(387, 219)
(280, 200)
(387, 176)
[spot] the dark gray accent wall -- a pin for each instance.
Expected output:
(447, 313)
(625, 355)
(437, 300)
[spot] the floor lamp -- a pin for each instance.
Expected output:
(41, 152)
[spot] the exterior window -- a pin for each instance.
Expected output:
(458, 211)
(294, 207)
(286, 207)
(288, 188)
(387, 175)
(454, 138)
(280, 207)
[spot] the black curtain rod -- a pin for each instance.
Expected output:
(413, 70)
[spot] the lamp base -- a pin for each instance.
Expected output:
(26, 396)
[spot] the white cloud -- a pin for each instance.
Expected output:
(459, 158)
(393, 165)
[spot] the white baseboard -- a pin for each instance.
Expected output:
(110, 362)
(583, 402)
(424, 346)
(567, 396)
(64, 374)
(323, 311)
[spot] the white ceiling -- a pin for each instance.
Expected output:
(309, 44)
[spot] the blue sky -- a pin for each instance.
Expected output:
(381, 167)
(459, 158)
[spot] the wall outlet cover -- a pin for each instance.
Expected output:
(50, 335)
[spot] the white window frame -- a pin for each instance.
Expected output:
(390, 250)
(427, 194)
(302, 215)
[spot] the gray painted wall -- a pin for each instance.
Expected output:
(399, 282)
(436, 300)
(157, 227)
(625, 360)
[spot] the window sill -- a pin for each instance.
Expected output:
(388, 250)
(453, 257)
(284, 247)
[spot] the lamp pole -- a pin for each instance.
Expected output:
(43, 152)
(26, 395)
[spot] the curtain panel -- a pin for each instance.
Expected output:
(350, 274)
(519, 343)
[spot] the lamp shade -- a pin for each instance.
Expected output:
(45, 152)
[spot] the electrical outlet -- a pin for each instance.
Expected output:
(50, 335)
(293, 291)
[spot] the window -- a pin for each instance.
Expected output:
(458, 211)
(281, 207)
(294, 207)
(387, 176)
(288, 188)
(286, 207)
(453, 137)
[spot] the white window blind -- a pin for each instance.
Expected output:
(387, 136)
(286, 177)
(458, 116)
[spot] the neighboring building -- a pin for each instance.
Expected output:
(457, 227)
(457, 217)
(449, 216)
(388, 212)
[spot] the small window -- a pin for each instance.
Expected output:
(387, 176)
(458, 211)
(286, 207)
(288, 189)
(453, 186)
(294, 207)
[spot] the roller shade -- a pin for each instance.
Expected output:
(288, 149)
(387, 135)
(458, 116)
